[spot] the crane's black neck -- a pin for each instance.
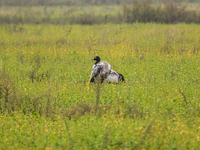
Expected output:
(97, 58)
(96, 62)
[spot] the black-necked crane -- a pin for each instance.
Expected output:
(114, 77)
(100, 70)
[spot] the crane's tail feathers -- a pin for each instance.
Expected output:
(121, 78)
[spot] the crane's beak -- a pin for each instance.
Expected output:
(91, 59)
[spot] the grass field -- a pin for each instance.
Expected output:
(47, 101)
(168, 13)
(60, 14)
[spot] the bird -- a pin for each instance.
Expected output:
(100, 70)
(114, 77)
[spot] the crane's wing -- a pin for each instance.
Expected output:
(95, 70)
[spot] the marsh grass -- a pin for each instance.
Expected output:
(48, 102)
(138, 11)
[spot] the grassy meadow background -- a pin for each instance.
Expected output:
(47, 101)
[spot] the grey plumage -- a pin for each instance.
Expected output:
(114, 77)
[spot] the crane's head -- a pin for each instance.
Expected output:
(97, 58)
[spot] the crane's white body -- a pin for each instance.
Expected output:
(113, 77)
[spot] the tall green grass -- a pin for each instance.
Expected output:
(48, 103)
(138, 11)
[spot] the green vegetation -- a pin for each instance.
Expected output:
(62, 2)
(78, 2)
(169, 12)
(46, 101)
